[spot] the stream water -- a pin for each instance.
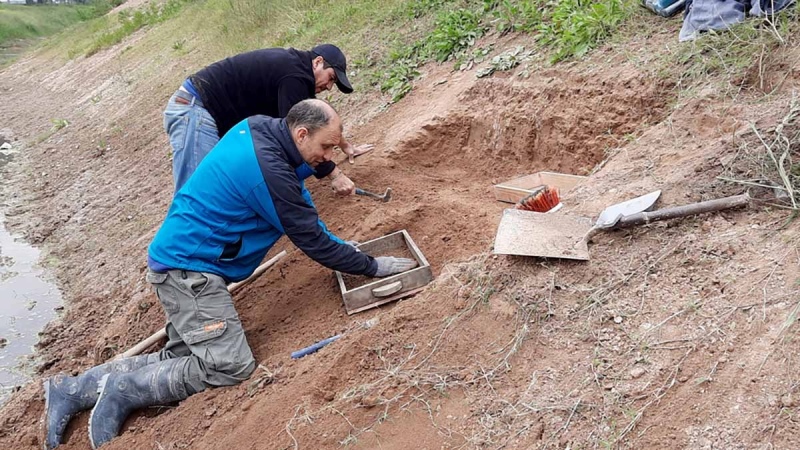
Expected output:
(28, 299)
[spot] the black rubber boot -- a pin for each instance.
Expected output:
(122, 393)
(65, 396)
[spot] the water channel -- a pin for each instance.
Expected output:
(28, 301)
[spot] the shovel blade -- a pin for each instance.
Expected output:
(611, 215)
(528, 233)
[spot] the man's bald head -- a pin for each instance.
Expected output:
(312, 114)
(316, 129)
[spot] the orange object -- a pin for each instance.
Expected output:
(542, 201)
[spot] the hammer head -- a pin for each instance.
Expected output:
(387, 195)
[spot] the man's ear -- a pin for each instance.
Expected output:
(300, 133)
(318, 61)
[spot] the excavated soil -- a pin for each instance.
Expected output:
(673, 335)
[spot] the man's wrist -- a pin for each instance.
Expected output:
(335, 174)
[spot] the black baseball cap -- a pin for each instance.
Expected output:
(335, 58)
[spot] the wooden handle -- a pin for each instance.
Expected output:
(388, 289)
(683, 211)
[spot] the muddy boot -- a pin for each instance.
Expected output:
(121, 394)
(65, 396)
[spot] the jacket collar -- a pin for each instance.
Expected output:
(287, 143)
(301, 168)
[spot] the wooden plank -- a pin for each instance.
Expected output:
(512, 194)
(562, 181)
(512, 191)
(383, 301)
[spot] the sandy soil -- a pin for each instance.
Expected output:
(674, 335)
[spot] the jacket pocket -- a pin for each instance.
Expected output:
(231, 251)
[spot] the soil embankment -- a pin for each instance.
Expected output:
(672, 336)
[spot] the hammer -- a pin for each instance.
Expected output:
(384, 198)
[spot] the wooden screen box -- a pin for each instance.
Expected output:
(515, 190)
(378, 291)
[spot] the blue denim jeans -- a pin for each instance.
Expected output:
(192, 134)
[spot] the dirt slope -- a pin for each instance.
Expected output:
(672, 336)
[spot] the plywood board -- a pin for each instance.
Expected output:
(553, 235)
(514, 190)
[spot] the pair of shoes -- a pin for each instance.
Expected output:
(122, 393)
(65, 396)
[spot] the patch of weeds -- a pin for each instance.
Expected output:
(769, 159)
(693, 306)
(477, 56)
(738, 54)
(454, 32)
(418, 8)
(132, 21)
(59, 124)
(178, 45)
(573, 27)
(506, 61)
(397, 80)
(349, 440)
(518, 16)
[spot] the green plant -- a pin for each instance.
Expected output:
(418, 8)
(573, 27)
(59, 124)
(178, 45)
(397, 82)
(523, 15)
(477, 56)
(505, 61)
(454, 31)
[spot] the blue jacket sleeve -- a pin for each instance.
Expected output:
(307, 196)
(288, 206)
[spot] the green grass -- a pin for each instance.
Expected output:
(132, 21)
(34, 21)
(573, 27)
(386, 41)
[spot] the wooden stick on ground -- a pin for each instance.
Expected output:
(162, 333)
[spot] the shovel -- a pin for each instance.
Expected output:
(564, 236)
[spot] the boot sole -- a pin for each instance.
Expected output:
(102, 391)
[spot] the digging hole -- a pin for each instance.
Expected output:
(443, 174)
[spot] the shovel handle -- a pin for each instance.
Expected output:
(675, 212)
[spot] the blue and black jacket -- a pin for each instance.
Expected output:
(245, 195)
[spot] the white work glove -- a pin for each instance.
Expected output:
(389, 265)
(353, 244)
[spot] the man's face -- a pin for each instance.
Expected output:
(318, 147)
(324, 79)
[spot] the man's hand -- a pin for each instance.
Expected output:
(341, 184)
(389, 265)
(352, 151)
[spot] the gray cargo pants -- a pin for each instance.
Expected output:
(202, 324)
